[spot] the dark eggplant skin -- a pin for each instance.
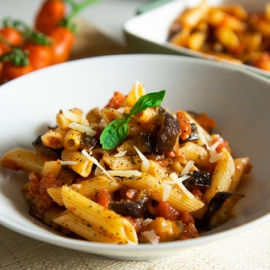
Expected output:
(44, 150)
(168, 133)
(198, 179)
(130, 208)
(220, 209)
(88, 142)
(149, 141)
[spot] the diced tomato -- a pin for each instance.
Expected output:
(189, 229)
(165, 210)
(184, 125)
(221, 145)
(116, 101)
(104, 197)
(38, 192)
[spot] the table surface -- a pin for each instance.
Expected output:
(248, 250)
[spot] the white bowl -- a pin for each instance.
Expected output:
(148, 32)
(238, 100)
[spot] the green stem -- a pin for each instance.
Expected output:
(76, 8)
(17, 57)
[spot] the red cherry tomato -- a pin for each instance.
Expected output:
(12, 35)
(11, 71)
(63, 40)
(9, 36)
(1, 71)
(40, 56)
(49, 16)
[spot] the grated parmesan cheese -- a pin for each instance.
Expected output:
(151, 237)
(84, 120)
(145, 162)
(166, 191)
(120, 154)
(68, 162)
(121, 109)
(137, 83)
(83, 129)
(99, 171)
(187, 168)
(146, 221)
(76, 186)
(214, 155)
(84, 152)
(71, 116)
(179, 181)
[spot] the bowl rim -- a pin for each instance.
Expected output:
(91, 246)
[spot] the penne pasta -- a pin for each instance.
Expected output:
(222, 176)
(81, 227)
(51, 167)
(131, 172)
(82, 165)
(24, 160)
(89, 187)
(177, 198)
(72, 140)
(242, 166)
(53, 138)
(104, 221)
(123, 163)
(196, 153)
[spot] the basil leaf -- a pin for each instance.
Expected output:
(147, 101)
(115, 133)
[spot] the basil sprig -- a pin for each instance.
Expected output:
(117, 131)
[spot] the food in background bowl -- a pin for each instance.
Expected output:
(226, 31)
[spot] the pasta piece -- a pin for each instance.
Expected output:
(198, 154)
(56, 194)
(88, 187)
(110, 114)
(104, 221)
(177, 198)
(83, 165)
(235, 10)
(191, 17)
(196, 40)
(134, 94)
(51, 167)
(156, 170)
(228, 38)
(72, 140)
(65, 118)
(53, 138)
(81, 227)
(123, 163)
(216, 17)
(241, 166)
(222, 176)
(181, 38)
(25, 160)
